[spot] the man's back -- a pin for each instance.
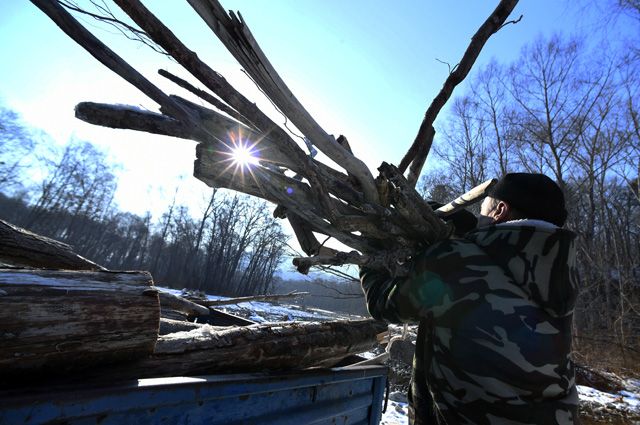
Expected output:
(495, 310)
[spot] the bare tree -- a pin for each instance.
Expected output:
(16, 144)
(464, 148)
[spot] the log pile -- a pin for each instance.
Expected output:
(383, 219)
(72, 325)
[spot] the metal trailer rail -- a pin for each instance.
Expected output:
(350, 395)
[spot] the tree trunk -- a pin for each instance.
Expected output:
(256, 348)
(19, 247)
(59, 321)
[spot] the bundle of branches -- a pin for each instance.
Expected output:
(383, 219)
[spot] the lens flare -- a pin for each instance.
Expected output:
(243, 156)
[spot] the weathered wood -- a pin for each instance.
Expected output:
(474, 195)
(237, 300)
(212, 100)
(175, 302)
(383, 219)
(274, 346)
(169, 326)
(107, 57)
(61, 321)
(237, 38)
(19, 247)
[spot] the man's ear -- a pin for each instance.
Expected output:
(502, 212)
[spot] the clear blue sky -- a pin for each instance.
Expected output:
(363, 68)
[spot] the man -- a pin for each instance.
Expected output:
(495, 310)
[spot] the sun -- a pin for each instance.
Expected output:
(243, 155)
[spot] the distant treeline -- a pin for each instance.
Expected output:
(233, 247)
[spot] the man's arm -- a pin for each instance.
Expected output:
(408, 299)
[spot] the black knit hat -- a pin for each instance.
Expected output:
(536, 196)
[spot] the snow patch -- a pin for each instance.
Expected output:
(397, 413)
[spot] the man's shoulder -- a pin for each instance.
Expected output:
(451, 255)
(452, 247)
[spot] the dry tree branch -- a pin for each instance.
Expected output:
(107, 57)
(235, 35)
(384, 219)
(212, 100)
(419, 150)
(108, 17)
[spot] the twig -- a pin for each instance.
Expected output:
(448, 65)
(514, 21)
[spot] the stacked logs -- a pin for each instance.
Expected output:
(103, 325)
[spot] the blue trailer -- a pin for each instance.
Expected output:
(349, 395)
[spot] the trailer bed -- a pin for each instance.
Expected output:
(350, 395)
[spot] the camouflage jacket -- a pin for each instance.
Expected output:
(495, 312)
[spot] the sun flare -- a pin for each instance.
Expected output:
(244, 156)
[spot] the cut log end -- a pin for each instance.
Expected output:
(54, 321)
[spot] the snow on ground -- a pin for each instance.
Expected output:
(624, 400)
(397, 410)
(624, 404)
(261, 312)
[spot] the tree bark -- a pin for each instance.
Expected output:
(60, 321)
(169, 326)
(19, 247)
(256, 348)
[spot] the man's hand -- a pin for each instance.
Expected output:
(463, 221)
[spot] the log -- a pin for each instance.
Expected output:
(256, 348)
(20, 247)
(175, 302)
(55, 321)
(169, 326)
(269, 346)
(238, 300)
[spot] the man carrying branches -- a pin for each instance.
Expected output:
(495, 310)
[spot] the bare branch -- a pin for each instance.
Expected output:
(207, 97)
(236, 36)
(513, 21)
(420, 148)
(107, 57)
(108, 17)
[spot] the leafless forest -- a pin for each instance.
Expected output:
(232, 247)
